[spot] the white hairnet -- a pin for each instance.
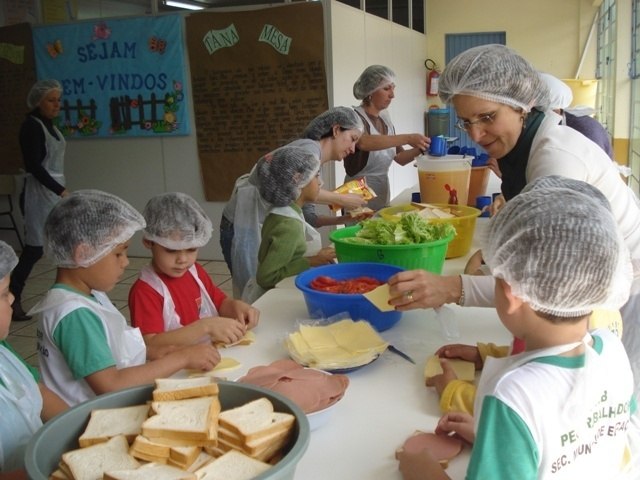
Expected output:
(283, 174)
(322, 126)
(176, 221)
(39, 90)
(373, 78)
(85, 226)
(8, 259)
(560, 94)
(495, 73)
(560, 251)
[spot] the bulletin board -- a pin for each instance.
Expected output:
(17, 75)
(258, 78)
(120, 77)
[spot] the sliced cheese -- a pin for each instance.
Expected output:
(464, 370)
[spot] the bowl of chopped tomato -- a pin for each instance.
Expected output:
(338, 288)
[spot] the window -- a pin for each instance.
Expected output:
(606, 63)
(408, 13)
(634, 73)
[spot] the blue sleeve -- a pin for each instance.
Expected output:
(81, 338)
(503, 448)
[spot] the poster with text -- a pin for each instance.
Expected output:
(258, 78)
(121, 77)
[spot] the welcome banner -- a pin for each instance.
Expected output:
(121, 77)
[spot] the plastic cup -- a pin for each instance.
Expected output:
(438, 147)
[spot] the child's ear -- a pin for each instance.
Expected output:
(147, 243)
(81, 253)
(513, 302)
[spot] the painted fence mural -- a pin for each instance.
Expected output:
(122, 77)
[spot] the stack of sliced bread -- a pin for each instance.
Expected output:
(182, 434)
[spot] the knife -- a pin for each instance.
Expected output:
(393, 349)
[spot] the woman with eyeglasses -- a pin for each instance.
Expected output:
(380, 146)
(502, 103)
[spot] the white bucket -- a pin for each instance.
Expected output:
(444, 179)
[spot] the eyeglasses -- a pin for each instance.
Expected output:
(482, 121)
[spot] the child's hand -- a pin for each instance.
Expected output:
(244, 312)
(463, 352)
(420, 466)
(323, 257)
(441, 381)
(202, 356)
(224, 329)
(459, 423)
(154, 352)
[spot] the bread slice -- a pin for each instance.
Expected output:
(232, 465)
(150, 471)
(183, 457)
(144, 449)
(255, 420)
(202, 459)
(91, 462)
(253, 447)
(182, 388)
(109, 422)
(193, 420)
(58, 475)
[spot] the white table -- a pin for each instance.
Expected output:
(386, 401)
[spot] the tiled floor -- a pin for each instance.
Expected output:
(22, 335)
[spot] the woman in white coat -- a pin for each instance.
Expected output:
(43, 148)
(508, 116)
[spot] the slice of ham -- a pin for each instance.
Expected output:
(442, 447)
(312, 390)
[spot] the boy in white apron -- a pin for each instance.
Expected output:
(85, 346)
(562, 408)
(174, 302)
(24, 403)
(289, 178)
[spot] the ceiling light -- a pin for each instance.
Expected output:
(188, 6)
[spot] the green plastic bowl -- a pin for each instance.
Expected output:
(427, 256)
(60, 434)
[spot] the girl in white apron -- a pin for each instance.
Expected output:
(43, 148)
(288, 178)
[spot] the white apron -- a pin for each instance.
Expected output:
(376, 171)
(169, 314)
(313, 239)
(577, 406)
(126, 343)
(20, 407)
(38, 199)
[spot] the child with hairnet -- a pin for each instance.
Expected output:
(561, 409)
(288, 178)
(24, 402)
(174, 302)
(85, 346)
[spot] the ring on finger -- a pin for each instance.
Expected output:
(409, 295)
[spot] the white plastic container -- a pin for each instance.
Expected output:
(444, 179)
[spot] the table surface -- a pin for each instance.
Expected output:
(386, 401)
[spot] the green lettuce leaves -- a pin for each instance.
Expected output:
(411, 228)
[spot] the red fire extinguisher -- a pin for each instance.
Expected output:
(433, 76)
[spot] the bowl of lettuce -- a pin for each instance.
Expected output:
(411, 242)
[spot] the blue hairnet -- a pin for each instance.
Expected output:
(8, 259)
(39, 90)
(373, 78)
(283, 173)
(176, 221)
(86, 225)
(495, 73)
(322, 125)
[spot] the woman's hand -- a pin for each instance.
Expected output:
(420, 289)
(419, 141)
